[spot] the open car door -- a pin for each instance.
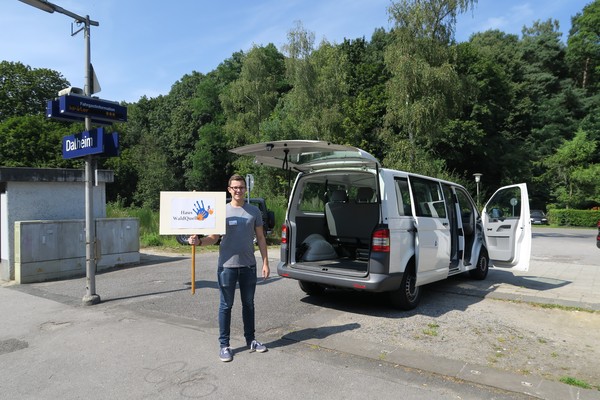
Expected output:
(507, 227)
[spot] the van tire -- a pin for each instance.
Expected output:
(483, 266)
(311, 288)
(408, 295)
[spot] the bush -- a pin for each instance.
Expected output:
(151, 240)
(568, 217)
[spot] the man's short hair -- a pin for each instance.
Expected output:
(236, 177)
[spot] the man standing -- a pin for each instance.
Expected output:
(237, 264)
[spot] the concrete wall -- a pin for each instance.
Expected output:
(46, 250)
(43, 194)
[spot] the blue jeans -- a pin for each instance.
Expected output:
(228, 278)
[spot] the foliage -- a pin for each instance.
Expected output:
(568, 217)
(583, 55)
(20, 148)
(424, 89)
(573, 179)
(25, 91)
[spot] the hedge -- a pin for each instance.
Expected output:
(568, 217)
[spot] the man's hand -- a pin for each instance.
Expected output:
(194, 240)
(265, 271)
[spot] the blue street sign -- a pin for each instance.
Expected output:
(95, 141)
(111, 145)
(53, 111)
(83, 106)
(83, 143)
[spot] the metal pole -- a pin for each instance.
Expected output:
(477, 176)
(90, 297)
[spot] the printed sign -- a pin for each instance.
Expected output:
(53, 111)
(83, 106)
(83, 143)
(192, 213)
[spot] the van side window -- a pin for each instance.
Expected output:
(403, 196)
(466, 207)
(467, 214)
(505, 204)
(429, 201)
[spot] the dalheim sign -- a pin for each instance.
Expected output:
(95, 141)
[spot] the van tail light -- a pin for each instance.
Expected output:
(380, 241)
(284, 231)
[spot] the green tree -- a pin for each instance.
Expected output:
(181, 133)
(25, 91)
(31, 141)
(365, 106)
(583, 54)
(251, 98)
(424, 90)
(471, 138)
(574, 180)
(555, 104)
(210, 163)
(314, 107)
(331, 92)
(295, 109)
(154, 173)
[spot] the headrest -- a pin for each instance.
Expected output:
(364, 195)
(339, 196)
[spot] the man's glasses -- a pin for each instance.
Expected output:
(240, 188)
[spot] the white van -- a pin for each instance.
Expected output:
(352, 224)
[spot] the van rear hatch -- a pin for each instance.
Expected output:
(305, 155)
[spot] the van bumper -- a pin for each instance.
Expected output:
(371, 283)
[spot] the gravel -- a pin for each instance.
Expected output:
(518, 337)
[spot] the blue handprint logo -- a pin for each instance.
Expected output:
(201, 212)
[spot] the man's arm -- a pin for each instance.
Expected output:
(194, 240)
(262, 246)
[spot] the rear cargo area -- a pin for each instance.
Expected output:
(333, 222)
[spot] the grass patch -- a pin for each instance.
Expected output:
(551, 306)
(575, 382)
(432, 329)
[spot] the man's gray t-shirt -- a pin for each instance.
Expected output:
(237, 245)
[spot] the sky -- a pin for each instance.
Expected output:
(142, 47)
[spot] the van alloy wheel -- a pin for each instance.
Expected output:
(483, 265)
(408, 295)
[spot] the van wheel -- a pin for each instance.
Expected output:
(311, 288)
(483, 265)
(408, 295)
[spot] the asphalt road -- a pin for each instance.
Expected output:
(160, 288)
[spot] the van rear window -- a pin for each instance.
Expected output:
(312, 199)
